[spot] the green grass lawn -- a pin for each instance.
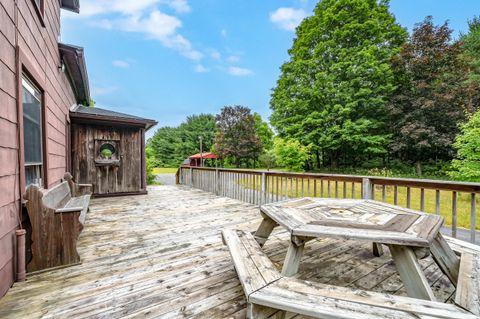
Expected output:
(295, 190)
(165, 170)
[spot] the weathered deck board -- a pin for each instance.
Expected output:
(161, 255)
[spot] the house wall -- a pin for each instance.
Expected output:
(26, 45)
(126, 177)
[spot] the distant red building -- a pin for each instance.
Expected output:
(196, 159)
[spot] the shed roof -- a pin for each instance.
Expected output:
(103, 116)
(204, 155)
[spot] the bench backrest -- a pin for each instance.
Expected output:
(57, 196)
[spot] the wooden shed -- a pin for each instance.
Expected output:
(108, 150)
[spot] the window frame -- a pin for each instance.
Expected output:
(31, 86)
(29, 69)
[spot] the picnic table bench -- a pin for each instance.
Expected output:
(406, 233)
(267, 291)
(57, 216)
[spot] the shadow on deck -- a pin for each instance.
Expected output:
(161, 255)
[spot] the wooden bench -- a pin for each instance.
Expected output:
(267, 291)
(57, 219)
(467, 295)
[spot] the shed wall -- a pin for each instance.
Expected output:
(126, 177)
(21, 31)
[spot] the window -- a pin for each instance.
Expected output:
(39, 8)
(32, 132)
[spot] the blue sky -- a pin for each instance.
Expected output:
(166, 59)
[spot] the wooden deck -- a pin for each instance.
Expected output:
(161, 255)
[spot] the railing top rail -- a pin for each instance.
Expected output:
(378, 180)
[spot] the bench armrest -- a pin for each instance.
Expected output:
(68, 210)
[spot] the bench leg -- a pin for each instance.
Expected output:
(377, 249)
(411, 273)
(445, 258)
(258, 312)
(264, 230)
(292, 260)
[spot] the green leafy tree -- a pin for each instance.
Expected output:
(291, 154)
(164, 145)
(430, 100)
(268, 159)
(172, 145)
(236, 135)
(467, 163)
(264, 132)
(332, 92)
(191, 129)
(150, 164)
(471, 52)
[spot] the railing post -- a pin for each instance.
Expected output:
(264, 189)
(191, 177)
(217, 182)
(367, 188)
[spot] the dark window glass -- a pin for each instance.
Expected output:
(32, 132)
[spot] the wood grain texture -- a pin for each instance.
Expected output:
(57, 220)
(126, 176)
(22, 34)
(468, 287)
(161, 255)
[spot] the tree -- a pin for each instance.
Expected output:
(172, 145)
(467, 163)
(236, 135)
(291, 154)
(191, 129)
(150, 164)
(471, 52)
(263, 131)
(332, 92)
(429, 100)
(164, 145)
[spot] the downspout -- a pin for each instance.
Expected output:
(19, 233)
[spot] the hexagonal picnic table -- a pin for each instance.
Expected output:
(404, 231)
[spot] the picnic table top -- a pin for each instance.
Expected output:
(367, 220)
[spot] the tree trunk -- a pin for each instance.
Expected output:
(418, 168)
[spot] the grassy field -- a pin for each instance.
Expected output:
(295, 190)
(165, 170)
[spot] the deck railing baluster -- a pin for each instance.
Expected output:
(408, 197)
(473, 216)
(437, 202)
(353, 189)
(329, 191)
(395, 195)
(422, 199)
(454, 214)
(384, 193)
(336, 189)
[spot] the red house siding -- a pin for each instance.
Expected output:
(28, 44)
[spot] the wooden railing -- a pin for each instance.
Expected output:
(456, 201)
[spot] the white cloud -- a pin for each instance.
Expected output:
(236, 71)
(102, 90)
(287, 18)
(145, 17)
(180, 6)
(199, 68)
(233, 59)
(121, 64)
(214, 54)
